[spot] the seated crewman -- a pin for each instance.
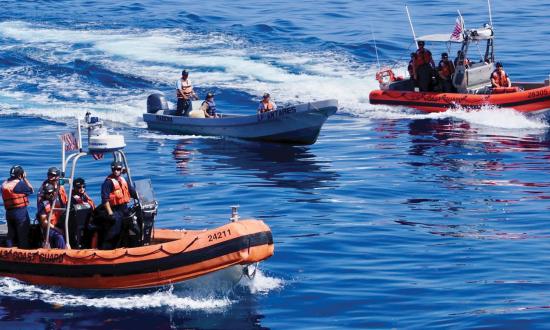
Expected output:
(49, 198)
(499, 78)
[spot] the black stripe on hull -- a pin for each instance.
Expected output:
(139, 267)
(451, 105)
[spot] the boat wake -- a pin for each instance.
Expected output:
(173, 298)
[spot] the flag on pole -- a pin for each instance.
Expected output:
(459, 27)
(70, 141)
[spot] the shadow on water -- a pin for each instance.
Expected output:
(279, 164)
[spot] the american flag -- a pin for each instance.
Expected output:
(70, 141)
(459, 27)
(97, 155)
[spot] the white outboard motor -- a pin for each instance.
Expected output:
(156, 102)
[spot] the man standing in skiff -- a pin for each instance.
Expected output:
(184, 93)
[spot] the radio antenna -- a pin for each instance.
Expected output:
(375, 47)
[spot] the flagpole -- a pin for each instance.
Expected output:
(410, 22)
(62, 156)
(79, 136)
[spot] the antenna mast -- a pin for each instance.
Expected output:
(375, 47)
(490, 14)
(410, 22)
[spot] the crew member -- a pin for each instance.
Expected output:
(209, 106)
(15, 192)
(86, 233)
(49, 198)
(499, 78)
(461, 59)
(424, 67)
(53, 179)
(79, 194)
(266, 104)
(184, 93)
(115, 195)
(445, 69)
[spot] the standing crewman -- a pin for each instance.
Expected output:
(184, 93)
(424, 67)
(115, 195)
(499, 78)
(15, 192)
(445, 70)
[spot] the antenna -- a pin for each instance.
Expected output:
(375, 47)
(410, 22)
(490, 14)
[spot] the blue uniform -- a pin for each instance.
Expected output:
(112, 235)
(18, 220)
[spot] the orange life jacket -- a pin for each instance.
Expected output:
(56, 214)
(11, 199)
(120, 194)
(446, 69)
(500, 79)
(187, 90)
(267, 106)
(423, 56)
(79, 200)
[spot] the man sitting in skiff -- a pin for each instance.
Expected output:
(445, 70)
(266, 104)
(209, 106)
(499, 78)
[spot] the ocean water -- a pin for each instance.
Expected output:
(393, 219)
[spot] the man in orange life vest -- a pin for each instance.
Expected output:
(184, 93)
(15, 192)
(49, 198)
(499, 78)
(445, 69)
(53, 179)
(423, 66)
(115, 195)
(266, 104)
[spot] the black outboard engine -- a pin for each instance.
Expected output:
(79, 221)
(148, 214)
(156, 102)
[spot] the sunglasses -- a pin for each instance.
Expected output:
(117, 169)
(80, 187)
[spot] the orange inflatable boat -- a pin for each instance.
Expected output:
(471, 79)
(173, 256)
(530, 98)
(145, 257)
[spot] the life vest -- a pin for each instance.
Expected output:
(187, 89)
(423, 56)
(56, 214)
(266, 106)
(211, 107)
(120, 194)
(500, 80)
(386, 76)
(77, 199)
(446, 69)
(11, 199)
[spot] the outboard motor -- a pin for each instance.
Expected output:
(156, 102)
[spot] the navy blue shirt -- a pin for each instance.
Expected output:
(20, 212)
(107, 189)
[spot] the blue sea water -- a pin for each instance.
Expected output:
(393, 219)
